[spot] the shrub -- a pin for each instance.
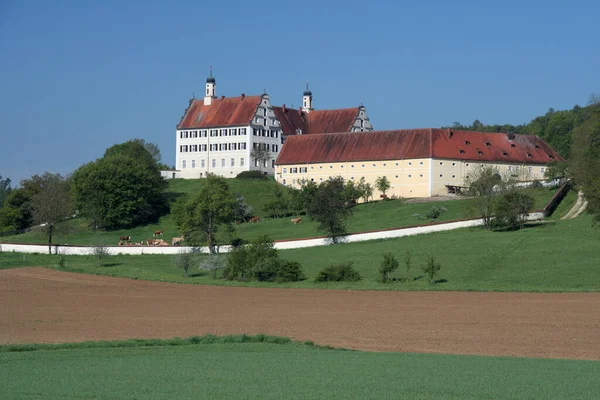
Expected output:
(237, 267)
(252, 175)
(388, 265)
(211, 264)
(512, 208)
(290, 271)
(338, 273)
(184, 260)
(408, 263)
(435, 213)
(100, 252)
(431, 268)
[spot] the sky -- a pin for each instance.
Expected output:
(79, 76)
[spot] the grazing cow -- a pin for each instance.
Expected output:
(158, 233)
(254, 220)
(176, 240)
(125, 238)
(383, 196)
(152, 242)
(160, 242)
(296, 220)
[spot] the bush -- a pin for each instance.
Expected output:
(431, 268)
(339, 273)
(290, 271)
(512, 208)
(252, 175)
(236, 267)
(184, 260)
(536, 184)
(435, 213)
(388, 265)
(211, 264)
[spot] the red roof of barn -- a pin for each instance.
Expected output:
(316, 121)
(416, 143)
(228, 111)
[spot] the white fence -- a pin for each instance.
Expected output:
(281, 245)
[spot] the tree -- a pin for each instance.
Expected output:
(557, 170)
(260, 154)
(408, 262)
(279, 205)
(16, 213)
(212, 264)
(383, 184)
(431, 268)
(351, 193)
(51, 205)
(4, 189)
(477, 125)
(99, 251)
(482, 181)
(512, 208)
(184, 260)
(329, 208)
(122, 189)
(304, 196)
(388, 265)
(243, 211)
(365, 189)
(152, 149)
(200, 217)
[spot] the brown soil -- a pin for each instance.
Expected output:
(41, 305)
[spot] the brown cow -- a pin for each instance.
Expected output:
(125, 238)
(176, 240)
(254, 220)
(158, 233)
(151, 242)
(383, 196)
(296, 220)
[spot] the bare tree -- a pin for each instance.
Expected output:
(483, 181)
(261, 155)
(184, 260)
(51, 205)
(99, 251)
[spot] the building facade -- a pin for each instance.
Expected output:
(216, 135)
(418, 163)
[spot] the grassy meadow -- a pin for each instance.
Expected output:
(553, 256)
(286, 371)
(367, 217)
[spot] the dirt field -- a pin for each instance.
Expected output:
(40, 305)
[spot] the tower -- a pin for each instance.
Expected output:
(307, 100)
(210, 89)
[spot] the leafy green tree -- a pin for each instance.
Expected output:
(304, 196)
(388, 265)
(200, 217)
(16, 213)
(122, 189)
(513, 207)
(243, 211)
(329, 208)
(365, 189)
(383, 184)
(279, 206)
(483, 181)
(431, 268)
(557, 170)
(261, 155)
(51, 205)
(351, 193)
(4, 189)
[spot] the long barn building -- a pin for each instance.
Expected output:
(417, 162)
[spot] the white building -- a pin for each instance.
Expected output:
(216, 135)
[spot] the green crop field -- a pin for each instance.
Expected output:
(286, 371)
(551, 256)
(367, 217)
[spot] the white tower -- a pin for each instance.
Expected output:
(211, 84)
(307, 100)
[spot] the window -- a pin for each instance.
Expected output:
(293, 170)
(264, 111)
(542, 170)
(242, 162)
(193, 163)
(284, 181)
(512, 145)
(256, 163)
(396, 164)
(441, 163)
(530, 169)
(384, 164)
(421, 175)
(183, 164)
(276, 134)
(410, 176)
(203, 133)
(352, 166)
(266, 163)
(232, 162)
(222, 163)
(488, 144)
(223, 132)
(453, 176)
(409, 163)
(214, 163)
(202, 147)
(537, 147)
(186, 134)
(441, 175)
(479, 153)
(303, 170)
(331, 166)
(320, 167)
(214, 132)
(396, 176)
(180, 135)
(454, 164)
(272, 163)
(363, 165)
(275, 148)
(529, 155)
(242, 131)
(550, 156)
(467, 142)
(374, 165)
(421, 163)
(202, 163)
(233, 132)
(462, 151)
(264, 121)
(505, 154)
(342, 166)
(243, 146)
(510, 167)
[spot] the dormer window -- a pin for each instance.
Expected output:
(537, 147)
(488, 144)
(512, 145)
(467, 142)
(550, 156)
(529, 155)
(479, 152)
(462, 151)
(505, 154)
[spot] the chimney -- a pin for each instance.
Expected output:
(450, 133)
(300, 111)
(222, 97)
(511, 136)
(283, 108)
(243, 96)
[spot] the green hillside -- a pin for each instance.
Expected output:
(372, 216)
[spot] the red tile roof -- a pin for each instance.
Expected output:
(416, 143)
(316, 121)
(228, 111)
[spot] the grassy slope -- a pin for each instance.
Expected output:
(555, 256)
(288, 371)
(565, 205)
(372, 216)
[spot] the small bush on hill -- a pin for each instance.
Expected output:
(431, 268)
(252, 175)
(212, 264)
(388, 265)
(338, 273)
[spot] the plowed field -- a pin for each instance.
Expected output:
(41, 305)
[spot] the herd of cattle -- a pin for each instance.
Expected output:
(126, 240)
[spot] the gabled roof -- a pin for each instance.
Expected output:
(224, 111)
(416, 143)
(316, 121)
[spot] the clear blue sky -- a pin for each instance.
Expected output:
(78, 76)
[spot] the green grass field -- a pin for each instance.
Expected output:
(367, 217)
(552, 256)
(286, 371)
